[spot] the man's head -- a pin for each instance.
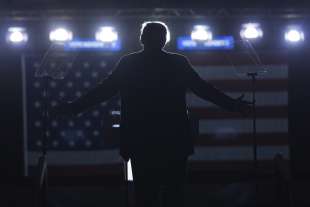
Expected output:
(154, 35)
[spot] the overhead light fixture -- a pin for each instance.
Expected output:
(294, 35)
(106, 34)
(251, 31)
(60, 35)
(201, 33)
(16, 35)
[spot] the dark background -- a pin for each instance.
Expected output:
(61, 4)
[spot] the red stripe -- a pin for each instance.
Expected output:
(235, 58)
(263, 139)
(262, 112)
(74, 170)
(245, 85)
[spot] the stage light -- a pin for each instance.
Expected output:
(251, 31)
(106, 34)
(294, 35)
(17, 35)
(168, 36)
(61, 35)
(201, 33)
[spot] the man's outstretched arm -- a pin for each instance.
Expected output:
(207, 91)
(108, 88)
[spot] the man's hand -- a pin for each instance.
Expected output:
(244, 107)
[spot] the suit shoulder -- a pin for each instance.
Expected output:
(131, 55)
(178, 57)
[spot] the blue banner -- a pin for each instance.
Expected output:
(92, 45)
(217, 43)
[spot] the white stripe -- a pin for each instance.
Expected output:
(238, 153)
(262, 99)
(78, 157)
(236, 126)
(102, 157)
(238, 72)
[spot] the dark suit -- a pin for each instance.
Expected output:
(154, 121)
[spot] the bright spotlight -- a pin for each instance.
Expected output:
(168, 36)
(251, 31)
(294, 35)
(17, 35)
(201, 33)
(106, 34)
(61, 35)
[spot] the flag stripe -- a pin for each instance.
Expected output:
(279, 98)
(204, 153)
(235, 126)
(246, 85)
(238, 153)
(271, 139)
(267, 112)
(225, 72)
(235, 58)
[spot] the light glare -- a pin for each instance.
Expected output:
(60, 35)
(251, 31)
(294, 35)
(17, 35)
(201, 33)
(106, 34)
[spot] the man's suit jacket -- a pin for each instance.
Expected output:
(152, 87)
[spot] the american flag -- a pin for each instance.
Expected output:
(228, 136)
(92, 130)
(90, 139)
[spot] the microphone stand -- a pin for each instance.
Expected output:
(54, 49)
(253, 76)
(42, 162)
(42, 182)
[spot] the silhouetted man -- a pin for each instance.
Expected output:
(155, 128)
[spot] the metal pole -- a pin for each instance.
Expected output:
(254, 137)
(43, 174)
(253, 76)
